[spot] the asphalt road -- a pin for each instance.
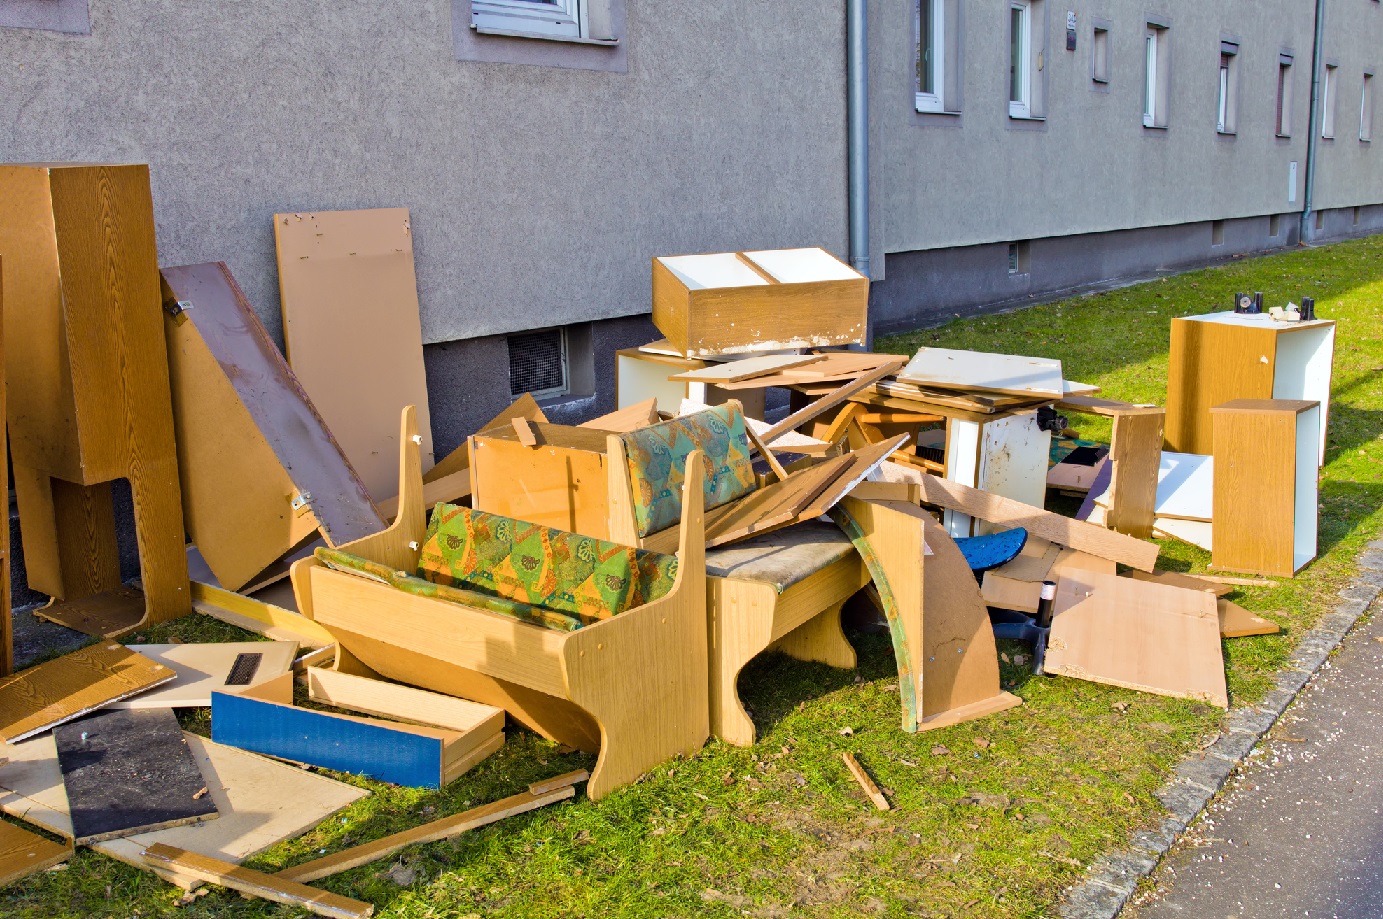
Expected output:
(1298, 831)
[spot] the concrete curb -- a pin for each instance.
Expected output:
(1111, 881)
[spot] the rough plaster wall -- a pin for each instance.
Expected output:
(1093, 166)
(539, 196)
(1350, 172)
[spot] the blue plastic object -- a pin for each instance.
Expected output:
(985, 552)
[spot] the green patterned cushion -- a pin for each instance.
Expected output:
(354, 564)
(657, 458)
(590, 578)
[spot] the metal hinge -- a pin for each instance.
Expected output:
(176, 308)
(302, 503)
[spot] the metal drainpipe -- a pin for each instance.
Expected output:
(1313, 138)
(857, 140)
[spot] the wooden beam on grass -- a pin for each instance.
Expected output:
(256, 883)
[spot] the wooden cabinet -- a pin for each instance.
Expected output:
(641, 375)
(1265, 485)
(1220, 357)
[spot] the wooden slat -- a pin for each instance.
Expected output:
(255, 616)
(256, 883)
(353, 332)
(1075, 534)
(631, 418)
(1184, 581)
(871, 790)
(1136, 453)
(801, 417)
(734, 371)
(445, 828)
(23, 853)
(34, 700)
(574, 777)
(946, 368)
(394, 700)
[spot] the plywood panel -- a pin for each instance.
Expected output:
(249, 438)
(560, 483)
(1004, 373)
(23, 853)
(261, 802)
(353, 332)
(68, 687)
(1135, 452)
(1139, 635)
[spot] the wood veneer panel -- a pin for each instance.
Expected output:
(67, 687)
(23, 853)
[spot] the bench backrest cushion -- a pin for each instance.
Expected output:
(657, 457)
(590, 578)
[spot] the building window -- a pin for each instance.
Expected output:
(1156, 71)
(538, 364)
(73, 16)
(931, 55)
(1274, 225)
(1020, 59)
(559, 19)
(1366, 110)
(1217, 232)
(1329, 89)
(1099, 55)
(1018, 257)
(1284, 96)
(1229, 88)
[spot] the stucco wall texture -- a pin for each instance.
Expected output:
(1092, 166)
(1350, 172)
(538, 195)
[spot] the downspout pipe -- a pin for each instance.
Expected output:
(857, 130)
(1313, 139)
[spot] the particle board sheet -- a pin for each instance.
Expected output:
(1138, 635)
(353, 332)
(1005, 373)
(249, 438)
(108, 614)
(1184, 581)
(41, 697)
(23, 853)
(261, 802)
(220, 667)
(1185, 486)
(833, 367)
(1237, 622)
(128, 772)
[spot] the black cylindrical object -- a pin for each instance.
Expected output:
(1044, 603)
(1241, 302)
(1257, 306)
(1308, 308)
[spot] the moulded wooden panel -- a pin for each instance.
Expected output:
(68, 687)
(560, 483)
(247, 429)
(1135, 452)
(1014, 374)
(353, 331)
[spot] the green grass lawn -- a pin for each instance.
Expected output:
(991, 818)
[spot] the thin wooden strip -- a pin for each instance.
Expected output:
(861, 463)
(1074, 534)
(802, 416)
(256, 883)
(258, 617)
(734, 371)
(23, 853)
(1186, 581)
(766, 453)
(558, 781)
(524, 430)
(445, 828)
(865, 782)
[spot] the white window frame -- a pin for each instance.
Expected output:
(1222, 120)
(1366, 109)
(559, 19)
(1330, 88)
(1150, 42)
(933, 101)
(1283, 110)
(1099, 41)
(1022, 106)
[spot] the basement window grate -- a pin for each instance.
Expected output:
(538, 364)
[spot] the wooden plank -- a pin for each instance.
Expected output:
(861, 463)
(1237, 622)
(23, 853)
(108, 614)
(871, 790)
(946, 368)
(256, 616)
(406, 703)
(1184, 581)
(1135, 452)
(256, 883)
(352, 330)
(1075, 534)
(734, 371)
(446, 828)
(204, 668)
(459, 460)
(1139, 635)
(561, 484)
(631, 418)
(574, 777)
(34, 700)
(261, 802)
(128, 772)
(765, 452)
(834, 367)
(524, 431)
(247, 430)
(801, 417)
(402, 754)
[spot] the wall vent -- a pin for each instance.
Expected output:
(538, 364)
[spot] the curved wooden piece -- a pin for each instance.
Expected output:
(740, 617)
(398, 546)
(820, 639)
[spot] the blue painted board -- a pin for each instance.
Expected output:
(992, 550)
(302, 735)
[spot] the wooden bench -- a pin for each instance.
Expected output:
(632, 686)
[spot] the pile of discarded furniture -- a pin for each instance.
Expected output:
(601, 584)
